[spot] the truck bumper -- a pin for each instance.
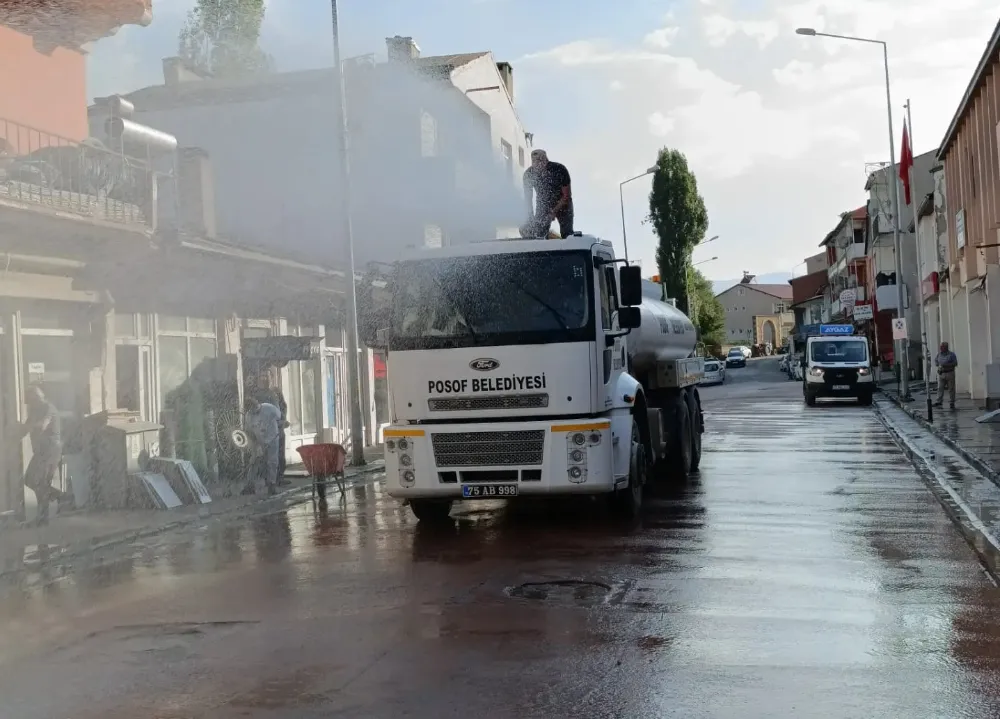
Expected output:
(539, 458)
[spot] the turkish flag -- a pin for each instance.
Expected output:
(906, 163)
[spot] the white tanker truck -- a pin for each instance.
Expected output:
(534, 367)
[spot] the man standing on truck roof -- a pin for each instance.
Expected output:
(553, 197)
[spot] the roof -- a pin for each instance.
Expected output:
(808, 287)
(782, 292)
(269, 85)
(859, 214)
(988, 59)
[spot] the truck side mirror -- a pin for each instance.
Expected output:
(630, 285)
(629, 318)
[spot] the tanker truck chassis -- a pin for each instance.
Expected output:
(521, 368)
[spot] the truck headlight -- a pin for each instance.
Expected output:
(575, 472)
(408, 476)
(403, 444)
(595, 437)
(577, 455)
(405, 460)
(390, 444)
(579, 439)
(816, 371)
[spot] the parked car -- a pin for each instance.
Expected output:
(736, 358)
(715, 372)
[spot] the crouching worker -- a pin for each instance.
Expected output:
(548, 195)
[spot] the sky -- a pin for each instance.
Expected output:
(777, 127)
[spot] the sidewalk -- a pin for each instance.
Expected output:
(978, 443)
(81, 532)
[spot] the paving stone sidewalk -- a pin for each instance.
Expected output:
(84, 531)
(978, 443)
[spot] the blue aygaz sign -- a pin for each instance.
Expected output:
(839, 330)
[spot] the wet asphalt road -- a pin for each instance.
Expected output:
(807, 572)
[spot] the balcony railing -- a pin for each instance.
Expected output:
(84, 179)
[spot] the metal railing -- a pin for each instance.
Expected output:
(80, 178)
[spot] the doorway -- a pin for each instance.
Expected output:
(134, 370)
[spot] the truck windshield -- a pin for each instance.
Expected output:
(493, 299)
(840, 351)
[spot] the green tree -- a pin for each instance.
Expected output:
(220, 38)
(708, 314)
(679, 218)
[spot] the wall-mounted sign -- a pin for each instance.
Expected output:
(863, 312)
(36, 368)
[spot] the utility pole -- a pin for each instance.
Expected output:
(347, 233)
(920, 271)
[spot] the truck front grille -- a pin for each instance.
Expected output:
(840, 375)
(486, 449)
(499, 401)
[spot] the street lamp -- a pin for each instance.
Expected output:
(621, 200)
(904, 366)
(713, 238)
(346, 232)
(710, 259)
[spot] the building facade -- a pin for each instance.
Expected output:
(744, 302)
(971, 199)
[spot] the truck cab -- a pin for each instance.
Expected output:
(837, 365)
(509, 375)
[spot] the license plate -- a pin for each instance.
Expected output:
(841, 386)
(488, 491)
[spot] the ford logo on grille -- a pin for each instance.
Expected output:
(484, 364)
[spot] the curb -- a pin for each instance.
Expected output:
(976, 534)
(293, 497)
(985, 469)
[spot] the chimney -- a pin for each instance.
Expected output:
(196, 192)
(507, 75)
(402, 49)
(176, 71)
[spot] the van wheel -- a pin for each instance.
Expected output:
(627, 501)
(431, 511)
(696, 430)
(679, 457)
(865, 399)
(810, 399)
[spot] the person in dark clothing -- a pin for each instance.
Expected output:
(44, 428)
(548, 195)
(266, 394)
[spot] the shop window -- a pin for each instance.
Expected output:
(201, 349)
(124, 325)
(173, 364)
(201, 326)
(172, 324)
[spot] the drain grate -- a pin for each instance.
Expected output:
(577, 592)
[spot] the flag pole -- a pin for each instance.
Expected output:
(920, 265)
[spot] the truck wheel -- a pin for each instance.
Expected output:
(696, 429)
(627, 502)
(432, 511)
(865, 399)
(679, 457)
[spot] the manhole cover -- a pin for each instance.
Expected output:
(564, 591)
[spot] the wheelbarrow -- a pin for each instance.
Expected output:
(322, 462)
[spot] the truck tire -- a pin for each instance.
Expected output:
(696, 429)
(627, 501)
(865, 399)
(679, 456)
(431, 511)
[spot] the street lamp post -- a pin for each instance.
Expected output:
(904, 363)
(621, 200)
(347, 233)
(687, 280)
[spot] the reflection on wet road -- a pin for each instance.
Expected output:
(806, 573)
